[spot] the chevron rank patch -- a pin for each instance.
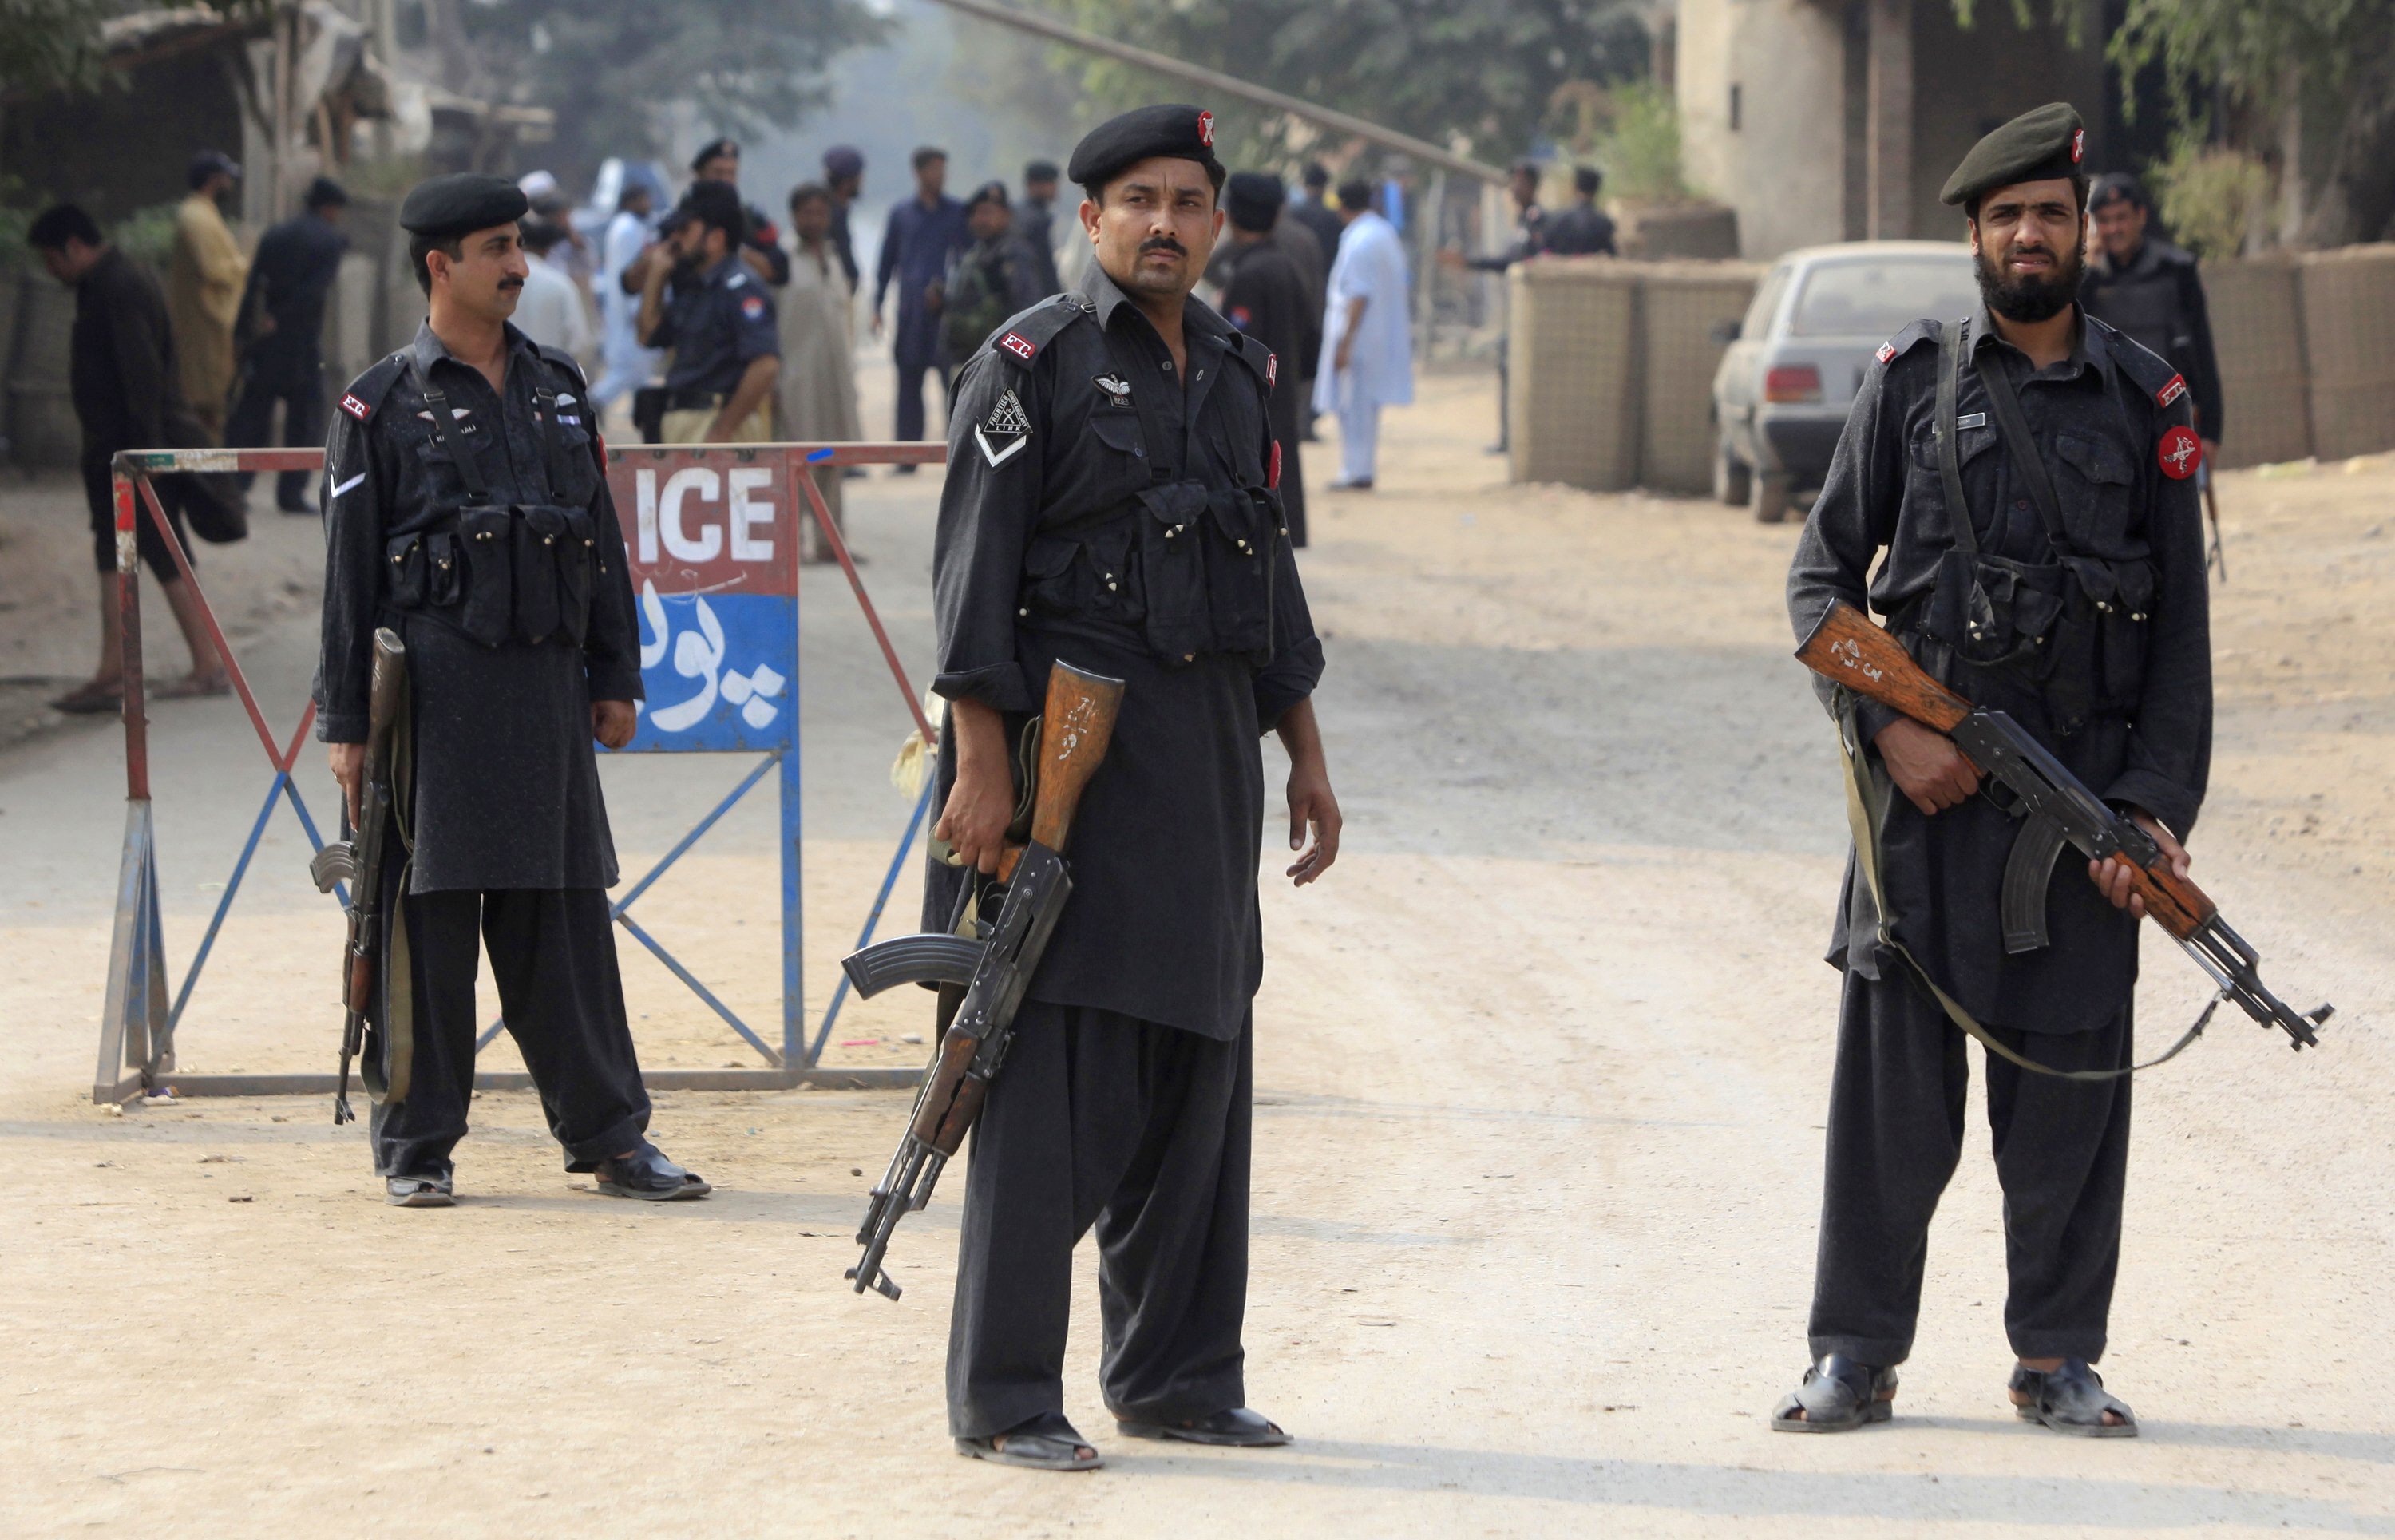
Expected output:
(1002, 434)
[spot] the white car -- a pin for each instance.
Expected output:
(1784, 386)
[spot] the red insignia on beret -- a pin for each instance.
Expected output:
(356, 409)
(1887, 351)
(1206, 129)
(2181, 452)
(2078, 145)
(2172, 391)
(1020, 346)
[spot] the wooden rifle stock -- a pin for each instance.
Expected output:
(1074, 729)
(1848, 648)
(386, 693)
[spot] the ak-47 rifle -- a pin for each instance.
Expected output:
(2059, 808)
(358, 860)
(995, 969)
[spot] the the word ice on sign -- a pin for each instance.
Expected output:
(714, 553)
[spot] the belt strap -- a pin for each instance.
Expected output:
(1863, 807)
(445, 429)
(1950, 455)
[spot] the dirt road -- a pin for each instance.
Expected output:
(1541, 1068)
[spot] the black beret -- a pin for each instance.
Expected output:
(711, 149)
(2115, 186)
(2043, 144)
(1041, 171)
(844, 160)
(460, 202)
(988, 192)
(1177, 131)
(1254, 199)
(324, 192)
(717, 205)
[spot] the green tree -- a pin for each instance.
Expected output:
(1489, 71)
(607, 67)
(2266, 56)
(57, 45)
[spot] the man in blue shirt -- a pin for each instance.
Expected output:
(718, 321)
(923, 233)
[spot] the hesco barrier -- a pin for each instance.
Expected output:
(2348, 349)
(712, 538)
(1612, 362)
(2258, 334)
(1612, 367)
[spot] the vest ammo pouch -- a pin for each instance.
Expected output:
(2074, 626)
(521, 571)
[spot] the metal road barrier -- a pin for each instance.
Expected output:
(712, 535)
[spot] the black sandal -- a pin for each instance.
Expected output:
(1837, 1395)
(1237, 1428)
(1044, 1443)
(2070, 1399)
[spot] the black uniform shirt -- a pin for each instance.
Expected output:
(1583, 230)
(293, 274)
(2157, 299)
(1529, 240)
(1044, 458)
(717, 324)
(506, 780)
(2101, 431)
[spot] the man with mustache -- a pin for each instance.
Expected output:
(1113, 501)
(2027, 471)
(466, 506)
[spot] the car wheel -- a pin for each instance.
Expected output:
(1768, 496)
(1732, 475)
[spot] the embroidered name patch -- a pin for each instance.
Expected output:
(356, 409)
(1003, 433)
(2172, 391)
(1019, 345)
(2181, 452)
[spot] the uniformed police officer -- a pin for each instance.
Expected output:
(466, 508)
(718, 321)
(2043, 558)
(2150, 290)
(1111, 500)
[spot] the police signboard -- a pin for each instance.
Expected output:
(713, 538)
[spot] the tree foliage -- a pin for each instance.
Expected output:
(607, 67)
(1488, 71)
(55, 45)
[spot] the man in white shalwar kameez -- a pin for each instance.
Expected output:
(628, 364)
(1367, 337)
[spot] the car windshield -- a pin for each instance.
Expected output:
(1879, 299)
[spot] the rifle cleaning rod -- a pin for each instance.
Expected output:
(1214, 80)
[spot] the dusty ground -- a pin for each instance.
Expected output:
(1539, 1072)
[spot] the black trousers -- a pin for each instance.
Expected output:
(301, 392)
(911, 399)
(1141, 1131)
(1895, 1135)
(553, 958)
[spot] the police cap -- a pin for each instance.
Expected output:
(717, 205)
(1254, 199)
(844, 160)
(1175, 131)
(2041, 144)
(712, 149)
(461, 203)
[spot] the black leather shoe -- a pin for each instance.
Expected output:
(646, 1174)
(1236, 1427)
(418, 1192)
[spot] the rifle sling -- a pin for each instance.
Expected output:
(1949, 459)
(1863, 818)
(2003, 405)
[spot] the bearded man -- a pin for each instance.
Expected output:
(2028, 472)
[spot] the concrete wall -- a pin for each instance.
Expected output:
(1783, 166)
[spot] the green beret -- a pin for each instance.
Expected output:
(460, 203)
(2047, 142)
(1177, 132)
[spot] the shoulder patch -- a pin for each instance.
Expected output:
(1906, 340)
(366, 391)
(2172, 391)
(2181, 452)
(2144, 367)
(1022, 338)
